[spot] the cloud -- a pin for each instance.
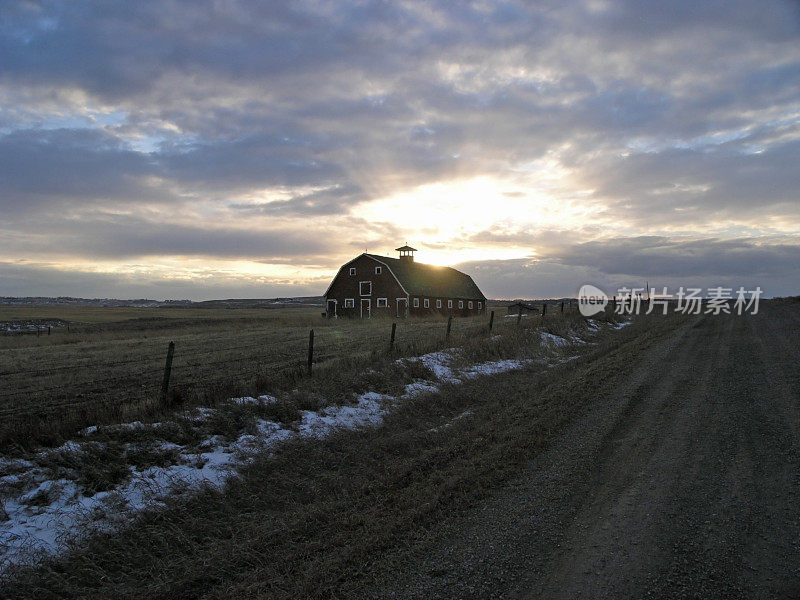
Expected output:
(34, 279)
(263, 130)
(773, 265)
(70, 165)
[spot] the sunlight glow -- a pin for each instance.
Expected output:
(445, 220)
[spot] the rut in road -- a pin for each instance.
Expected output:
(681, 481)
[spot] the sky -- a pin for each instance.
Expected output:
(209, 149)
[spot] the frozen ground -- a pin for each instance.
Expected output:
(41, 508)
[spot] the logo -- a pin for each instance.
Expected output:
(591, 300)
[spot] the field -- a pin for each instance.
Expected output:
(657, 459)
(108, 365)
(311, 480)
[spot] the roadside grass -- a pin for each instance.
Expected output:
(323, 519)
(50, 389)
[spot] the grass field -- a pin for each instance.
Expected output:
(319, 518)
(108, 367)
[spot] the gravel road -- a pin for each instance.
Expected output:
(680, 481)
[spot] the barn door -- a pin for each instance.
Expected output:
(332, 309)
(365, 308)
(402, 307)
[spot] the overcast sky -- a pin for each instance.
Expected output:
(206, 149)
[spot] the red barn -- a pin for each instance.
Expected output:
(371, 285)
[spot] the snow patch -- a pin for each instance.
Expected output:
(43, 510)
(553, 340)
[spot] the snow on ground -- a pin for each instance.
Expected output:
(553, 340)
(490, 368)
(42, 511)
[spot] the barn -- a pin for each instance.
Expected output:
(372, 285)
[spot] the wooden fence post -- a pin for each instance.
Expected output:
(544, 309)
(562, 307)
(310, 350)
(391, 341)
(167, 371)
(491, 321)
(37, 331)
(48, 330)
(449, 324)
(519, 314)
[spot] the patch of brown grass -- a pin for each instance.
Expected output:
(322, 519)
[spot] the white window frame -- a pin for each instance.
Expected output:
(352, 270)
(349, 302)
(469, 304)
(426, 303)
(439, 303)
(361, 288)
(480, 305)
(449, 304)
(382, 303)
(460, 304)
(416, 302)
(378, 270)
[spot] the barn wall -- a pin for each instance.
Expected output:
(455, 311)
(384, 285)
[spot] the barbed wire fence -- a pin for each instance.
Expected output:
(51, 399)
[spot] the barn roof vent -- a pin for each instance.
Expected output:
(406, 252)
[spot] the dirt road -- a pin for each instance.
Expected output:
(683, 482)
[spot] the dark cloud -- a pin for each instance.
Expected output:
(123, 237)
(634, 262)
(656, 256)
(678, 116)
(44, 166)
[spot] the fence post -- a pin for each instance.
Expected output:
(310, 350)
(48, 330)
(37, 331)
(449, 324)
(519, 314)
(544, 310)
(167, 371)
(491, 321)
(562, 307)
(391, 341)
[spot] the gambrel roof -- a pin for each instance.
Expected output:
(429, 280)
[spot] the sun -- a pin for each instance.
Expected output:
(450, 222)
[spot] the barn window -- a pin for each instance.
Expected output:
(383, 302)
(378, 270)
(426, 303)
(460, 304)
(449, 304)
(352, 270)
(469, 305)
(438, 304)
(416, 302)
(480, 305)
(349, 302)
(365, 288)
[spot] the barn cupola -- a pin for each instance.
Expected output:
(406, 253)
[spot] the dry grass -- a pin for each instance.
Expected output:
(108, 368)
(324, 519)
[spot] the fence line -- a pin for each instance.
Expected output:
(181, 369)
